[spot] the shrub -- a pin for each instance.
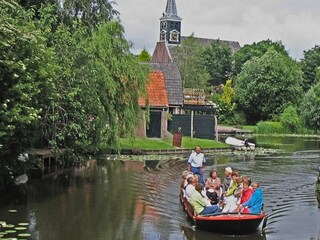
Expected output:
(270, 127)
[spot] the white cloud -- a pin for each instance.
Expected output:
(294, 22)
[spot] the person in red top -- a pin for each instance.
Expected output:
(246, 193)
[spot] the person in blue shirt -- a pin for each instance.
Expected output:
(255, 202)
(196, 163)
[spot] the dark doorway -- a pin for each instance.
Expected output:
(154, 130)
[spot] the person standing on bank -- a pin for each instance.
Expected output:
(196, 163)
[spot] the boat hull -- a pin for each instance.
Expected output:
(239, 144)
(230, 223)
(227, 223)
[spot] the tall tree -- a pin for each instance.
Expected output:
(144, 56)
(310, 63)
(89, 12)
(97, 89)
(217, 60)
(25, 73)
(226, 104)
(188, 58)
(266, 85)
(310, 107)
(249, 51)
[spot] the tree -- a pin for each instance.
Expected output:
(249, 51)
(309, 64)
(25, 71)
(188, 58)
(290, 119)
(90, 13)
(226, 104)
(310, 107)
(266, 85)
(96, 90)
(144, 56)
(217, 60)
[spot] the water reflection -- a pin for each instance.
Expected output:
(139, 199)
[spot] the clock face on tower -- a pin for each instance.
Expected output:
(163, 25)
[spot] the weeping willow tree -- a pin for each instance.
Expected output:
(67, 86)
(97, 86)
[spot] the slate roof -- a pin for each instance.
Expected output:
(164, 52)
(171, 11)
(234, 46)
(173, 81)
(156, 91)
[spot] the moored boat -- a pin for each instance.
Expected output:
(240, 144)
(227, 223)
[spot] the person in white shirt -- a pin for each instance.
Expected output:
(196, 163)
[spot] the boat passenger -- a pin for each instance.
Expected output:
(184, 182)
(200, 203)
(246, 192)
(190, 187)
(213, 186)
(230, 199)
(227, 179)
(255, 202)
(196, 163)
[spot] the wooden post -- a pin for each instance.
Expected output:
(191, 127)
(216, 128)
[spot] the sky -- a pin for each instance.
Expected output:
(296, 23)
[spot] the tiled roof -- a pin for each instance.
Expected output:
(156, 91)
(173, 81)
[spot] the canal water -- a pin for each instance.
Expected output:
(139, 199)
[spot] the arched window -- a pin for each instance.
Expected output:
(163, 35)
(174, 36)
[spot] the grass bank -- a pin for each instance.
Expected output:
(161, 144)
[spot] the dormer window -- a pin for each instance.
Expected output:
(174, 36)
(163, 35)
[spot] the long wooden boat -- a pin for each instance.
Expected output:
(227, 223)
(240, 144)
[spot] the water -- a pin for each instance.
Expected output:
(139, 199)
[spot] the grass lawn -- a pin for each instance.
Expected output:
(159, 144)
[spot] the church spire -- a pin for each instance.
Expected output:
(170, 24)
(171, 10)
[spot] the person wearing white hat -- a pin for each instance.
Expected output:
(227, 178)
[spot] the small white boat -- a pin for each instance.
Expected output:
(240, 144)
(22, 179)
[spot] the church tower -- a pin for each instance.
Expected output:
(170, 24)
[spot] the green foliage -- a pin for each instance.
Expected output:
(310, 107)
(73, 87)
(25, 67)
(188, 58)
(290, 119)
(217, 60)
(89, 13)
(247, 52)
(144, 56)
(268, 84)
(99, 101)
(226, 104)
(270, 128)
(310, 66)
